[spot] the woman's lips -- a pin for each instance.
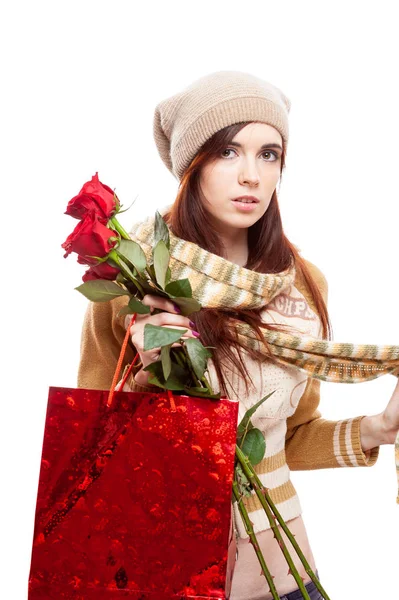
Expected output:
(245, 206)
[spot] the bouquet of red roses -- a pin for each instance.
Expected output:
(118, 267)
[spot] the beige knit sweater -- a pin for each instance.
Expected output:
(297, 437)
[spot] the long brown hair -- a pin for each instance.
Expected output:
(269, 251)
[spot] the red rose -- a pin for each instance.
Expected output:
(101, 271)
(89, 238)
(93, 197)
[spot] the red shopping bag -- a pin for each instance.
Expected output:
(134, 498)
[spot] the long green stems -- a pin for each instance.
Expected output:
(265, 500)
(290, 536)
(248, 470)
(250, 530)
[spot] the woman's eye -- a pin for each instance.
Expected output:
(227, 150)
(273, 153)
(263, 153)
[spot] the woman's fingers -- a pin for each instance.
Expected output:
(126, 387)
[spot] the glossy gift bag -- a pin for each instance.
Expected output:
(134, 498)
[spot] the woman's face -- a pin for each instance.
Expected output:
(252, 169)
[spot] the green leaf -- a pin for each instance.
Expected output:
(157, 336)
(187, 305)
(177, 379)
(161, 262)
(132, 251)
(244, 485)
(180, 287)
(155, 381)
(246, 424)
(198, 355)
(138, 307)
(200, 393)
(161, 231)
(166, 362)
(101, 290)
(134, 306)
(254, 446)
(124, 311)
(168, 276)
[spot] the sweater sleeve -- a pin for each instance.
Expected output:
(102, 336)
(313, 442)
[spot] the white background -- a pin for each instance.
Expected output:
(80, 81)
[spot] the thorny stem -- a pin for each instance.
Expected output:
(247, 468)
(290, 536)
(250, 530)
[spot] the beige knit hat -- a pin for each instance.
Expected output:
(183, 122)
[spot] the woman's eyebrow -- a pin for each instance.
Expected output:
(273, 145)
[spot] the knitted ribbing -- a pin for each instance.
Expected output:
(185, 121)
(216, 281)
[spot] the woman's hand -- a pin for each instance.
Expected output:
(382, 428)
(169, 318)
(390, 416)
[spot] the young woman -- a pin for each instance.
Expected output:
(225, 140)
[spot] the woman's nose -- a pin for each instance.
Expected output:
(249, 173)
(251, 178)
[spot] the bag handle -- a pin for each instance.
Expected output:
(119, 366)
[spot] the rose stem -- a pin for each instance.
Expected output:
(248, 470)
(115, 257)
(119, 228)
(287, 532)
(250, 530)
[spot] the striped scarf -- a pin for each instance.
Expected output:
(217, 283)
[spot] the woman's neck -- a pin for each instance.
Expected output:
(236, 247)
